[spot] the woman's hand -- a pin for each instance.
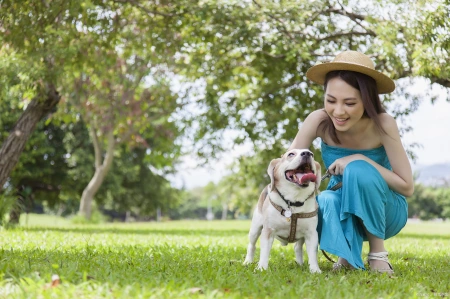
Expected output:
(338, 166)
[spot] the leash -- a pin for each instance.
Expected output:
(328, 175)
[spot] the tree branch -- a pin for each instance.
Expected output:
(357, 18)
(279, 21)
(341, 34)
(440, 81)
(97, 147)
(140, 6)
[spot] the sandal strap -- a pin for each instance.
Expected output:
(380, 256)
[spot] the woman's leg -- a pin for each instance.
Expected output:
(332, 232)
(364, 198)
(382, 213)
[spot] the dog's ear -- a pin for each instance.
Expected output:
(318, 175)
(271, 170)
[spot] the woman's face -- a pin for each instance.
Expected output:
(343, 104)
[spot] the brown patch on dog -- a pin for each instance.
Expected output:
(318, 176)
(267, 231)
(262, 198)
(271, 170)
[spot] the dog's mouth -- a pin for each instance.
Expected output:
(302, 175)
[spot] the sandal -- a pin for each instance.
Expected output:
(339, 266)
(380, 256)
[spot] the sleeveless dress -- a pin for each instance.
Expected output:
(364, 196)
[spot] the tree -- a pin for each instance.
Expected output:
(44, 42)
(118, 110)
(429, 202)
(251, 58)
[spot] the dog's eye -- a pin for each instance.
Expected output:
(291, 154)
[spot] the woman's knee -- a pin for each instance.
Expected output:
(361, 172)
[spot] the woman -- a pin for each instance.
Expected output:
(361, 148)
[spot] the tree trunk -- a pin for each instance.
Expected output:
(13, 146)
(224, 210)
(158, 214)
(101, 170)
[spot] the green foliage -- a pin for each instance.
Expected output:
(96, 218)
(116, 64)
(134, 186)
(429, 202)
(186, 259)
(251, 59)
(7, 202)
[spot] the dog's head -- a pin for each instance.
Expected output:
(296, 170)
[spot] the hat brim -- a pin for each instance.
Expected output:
(318, 72)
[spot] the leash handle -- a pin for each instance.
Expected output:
(328, 175)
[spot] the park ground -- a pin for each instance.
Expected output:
(201, 259)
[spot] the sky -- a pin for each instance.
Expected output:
(431, 129)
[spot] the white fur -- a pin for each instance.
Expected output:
(268, 223)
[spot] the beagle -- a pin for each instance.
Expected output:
(287, 209)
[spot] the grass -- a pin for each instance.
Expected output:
(199, 259)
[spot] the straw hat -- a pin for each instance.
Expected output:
(351, 61)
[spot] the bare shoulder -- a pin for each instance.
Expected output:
(389, 124)
(318, 115)
(308, 130)
(390, 138)
(315, 118)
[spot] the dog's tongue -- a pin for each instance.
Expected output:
(306, 177)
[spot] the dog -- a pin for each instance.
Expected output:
(287, 209)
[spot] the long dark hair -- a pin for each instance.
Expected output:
(369, 95)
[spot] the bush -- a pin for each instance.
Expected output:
(7, 202)
(96, 218)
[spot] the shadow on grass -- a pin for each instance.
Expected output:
(171, 231)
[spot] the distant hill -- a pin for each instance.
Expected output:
(433, 175)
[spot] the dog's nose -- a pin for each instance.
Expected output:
(307, 154)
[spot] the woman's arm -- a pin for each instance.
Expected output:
(308, 130)
(400, 178)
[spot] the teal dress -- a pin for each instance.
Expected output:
(364, 197)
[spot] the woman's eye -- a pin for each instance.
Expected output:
(351, 104)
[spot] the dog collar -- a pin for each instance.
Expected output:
(295, 215)
(295, 203)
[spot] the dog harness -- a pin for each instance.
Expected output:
(293, 217)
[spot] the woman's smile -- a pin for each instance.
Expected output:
(343, 104)
(341, 121)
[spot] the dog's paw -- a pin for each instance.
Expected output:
(261, 268)
(247, 262)
(315, 270)
(299, 262)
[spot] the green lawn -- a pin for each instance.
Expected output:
(202, 259)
